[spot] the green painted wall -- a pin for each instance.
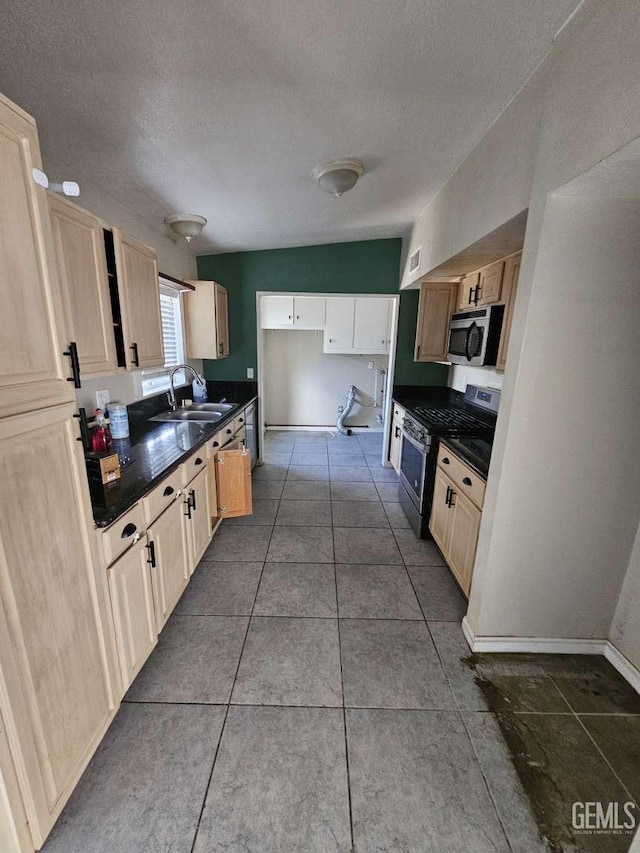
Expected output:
(370, 266)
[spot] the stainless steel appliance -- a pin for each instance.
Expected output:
(473, 416)
(474, 336)
(251, 432)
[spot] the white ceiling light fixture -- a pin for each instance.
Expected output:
(338, 176)
(187, 225)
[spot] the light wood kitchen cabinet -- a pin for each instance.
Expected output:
(139, 291)
(395, 445)
(233, 482)
(437, 303)
(468, 291)
(509, 290)
(169, 561)
(491, 284)
(207, 320)
(60, 684)
(341, 314)
(33, 370)
(133, 609)
(456, 513)
(287, 312)
(197, 518)
(82, 270)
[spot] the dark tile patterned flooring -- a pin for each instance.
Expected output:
(313, 691)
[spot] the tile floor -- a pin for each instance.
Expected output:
(313, 692)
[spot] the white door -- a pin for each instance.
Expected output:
(309, 312)
(372, 325)
(338, 335)
(277, 311)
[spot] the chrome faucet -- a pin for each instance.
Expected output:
(171, 393)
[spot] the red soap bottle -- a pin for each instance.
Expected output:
(101, 440)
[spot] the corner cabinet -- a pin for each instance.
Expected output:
(139, 292)
(82, 269)
(207, 320)
(437, 303)
(33, 369)
(456, 513)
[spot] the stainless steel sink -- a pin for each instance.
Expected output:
(208, 417)
(214, 407)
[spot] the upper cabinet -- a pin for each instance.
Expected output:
(509, 288)
(33, 369)
(491, 284)
(139, 292)
(82, 268)
(437, 303)
(358, 325)
(468, 291)
(287, 312)
(207, 320)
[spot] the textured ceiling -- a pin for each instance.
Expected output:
(223, 108)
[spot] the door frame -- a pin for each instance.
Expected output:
(386, 408)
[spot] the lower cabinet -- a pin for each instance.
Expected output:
(197, 519)
(233, 482)
(132, 601)
(395, 445)
(455, 517)
(169, 561)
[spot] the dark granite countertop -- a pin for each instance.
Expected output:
(474, 451)
(410, 396)
(155, 449)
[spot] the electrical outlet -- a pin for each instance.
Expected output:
(370, 365)
(103, 398)
(249, 372)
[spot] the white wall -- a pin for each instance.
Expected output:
(304, 386)
(173, 259)
(625, 629)
(461, 376)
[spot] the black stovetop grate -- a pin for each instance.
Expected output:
(450, 419)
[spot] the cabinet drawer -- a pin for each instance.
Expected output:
(195, 463)
(238, 422)
(164, 494)
(123, 533)
(214, 444)
(469, 483)
(398, 412)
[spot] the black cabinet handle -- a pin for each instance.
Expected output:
(471, 289)
(168, 491)
(72, 353)
(397, 435)
(187, 503)
(151, 548)
(241, 420)
(220, 349)
(192, 499)
(198, 461)
(467, 481)
(445, 460)
(84, 428)
(229, 431)
(128, 531)
(135, 360)
(446, 500)
(476, 294)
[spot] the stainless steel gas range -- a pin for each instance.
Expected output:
(473, 417)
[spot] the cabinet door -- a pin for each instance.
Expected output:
(509, 290)
(82, 269)
(309, 312)
(463, 539)
(133, 610)
(167, 545)
(33, 372)
(437, 302)
(338, 335)
(57, 654)
(198, 518)
(222, 320)
(139, 291)
(371, 328)
(441, 519)
(395, 447)
(277, 312)
(468, 291)
(233, 478)
(491, 283)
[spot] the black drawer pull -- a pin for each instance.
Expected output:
(135, 359)
(187, 503)
(198, 461)
(192, 499)
(151, 548)
(467, 481)
(229, 431)
(445, 460)
(216, 444)
(128, 531)
(168, 491)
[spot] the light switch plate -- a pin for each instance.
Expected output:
(249, 372)
(103, 398)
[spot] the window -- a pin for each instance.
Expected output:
(155, 381)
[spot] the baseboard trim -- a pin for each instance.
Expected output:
(554, 646)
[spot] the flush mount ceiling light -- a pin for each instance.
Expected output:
(338, 176)
(187, 225)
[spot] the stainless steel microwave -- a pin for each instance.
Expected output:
(474, 336)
